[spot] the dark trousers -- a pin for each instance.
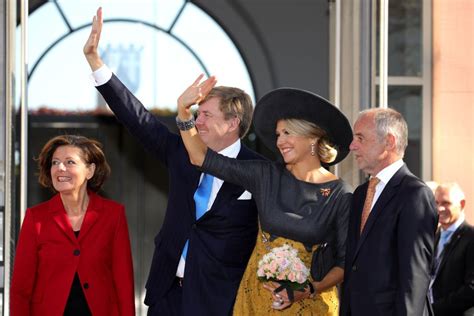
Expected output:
(170, 305)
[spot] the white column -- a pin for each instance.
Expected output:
(24, 108)
(383, 53)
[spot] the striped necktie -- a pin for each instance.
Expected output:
(369, 198)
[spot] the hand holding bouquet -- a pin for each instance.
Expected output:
(283, 265)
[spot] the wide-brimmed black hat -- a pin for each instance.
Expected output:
(291, 103)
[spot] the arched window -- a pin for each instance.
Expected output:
(156, 47)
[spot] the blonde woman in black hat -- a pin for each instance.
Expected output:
(300, 202)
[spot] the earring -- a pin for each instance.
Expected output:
(313, 152)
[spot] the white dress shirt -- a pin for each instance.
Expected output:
(101, 75)
(384, 176)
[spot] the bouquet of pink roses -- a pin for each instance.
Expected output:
(283, 265)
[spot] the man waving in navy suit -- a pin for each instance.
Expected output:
(210, 227)
(392, 225)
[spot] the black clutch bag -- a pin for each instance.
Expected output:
(322, 262)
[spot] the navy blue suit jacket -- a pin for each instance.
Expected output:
(220, 242)
(387, 268)
(453, 288)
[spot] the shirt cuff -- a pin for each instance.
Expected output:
(101, 76)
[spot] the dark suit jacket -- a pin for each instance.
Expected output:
(48, 256)
(387, 268)
(453, 288)
(220, 242)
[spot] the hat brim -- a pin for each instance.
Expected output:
(292, 103)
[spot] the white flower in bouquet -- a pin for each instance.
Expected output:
(282, 264)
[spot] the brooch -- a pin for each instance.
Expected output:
(265, 241)
(325, 191)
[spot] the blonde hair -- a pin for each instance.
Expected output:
(326, 151)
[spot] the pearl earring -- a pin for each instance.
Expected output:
(313, 152)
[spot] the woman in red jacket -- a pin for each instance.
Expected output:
(73, 255)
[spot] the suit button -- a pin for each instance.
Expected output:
(354, 268)
(76, 252)
(86, 285)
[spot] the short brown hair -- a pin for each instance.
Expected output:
(91, 153)
(234, 102)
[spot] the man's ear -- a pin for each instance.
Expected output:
(463, 204)
(234, 123)
(390, 142)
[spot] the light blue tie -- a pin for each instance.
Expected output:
(201, 198)
(443, 239)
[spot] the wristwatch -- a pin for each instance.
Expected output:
(185, 125)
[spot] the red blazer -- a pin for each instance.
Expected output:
(48, 255)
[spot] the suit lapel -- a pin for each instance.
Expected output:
(387, 194)
(449, 247)
(437, 237)
(225, 194)
(358, 207)
(379, 208)
(60, 217)
(92, 214)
